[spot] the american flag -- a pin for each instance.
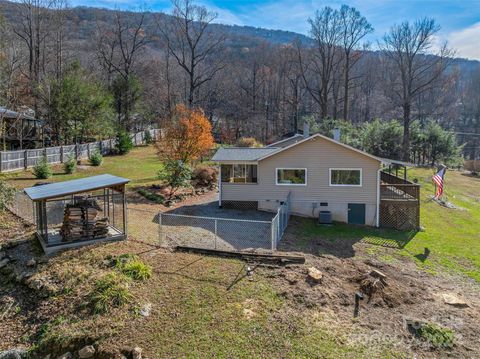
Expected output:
(438, 180)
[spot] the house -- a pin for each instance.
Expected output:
(320, 173)
(19, 130)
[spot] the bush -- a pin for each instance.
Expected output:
(7, 195)
(124, 143)
(151, 196)
(204, 176)
(148, 137)
(248, 142)
(96, 159)
(137, 270)
(437, 336)
(175, 174)
(110, 291)
(70, 165)
(42, 169)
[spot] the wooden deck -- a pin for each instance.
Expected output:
(399, 203)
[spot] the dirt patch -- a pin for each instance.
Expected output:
(408, 294)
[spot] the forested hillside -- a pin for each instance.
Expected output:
(249, 81)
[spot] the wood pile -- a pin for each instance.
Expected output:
(80, 221)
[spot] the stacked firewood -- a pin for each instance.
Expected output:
(80, 221)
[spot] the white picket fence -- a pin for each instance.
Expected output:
(23, 159)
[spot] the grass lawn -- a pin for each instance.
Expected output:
(452, 236)
(140, 165)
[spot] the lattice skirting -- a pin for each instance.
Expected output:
(240, 204)
(401, 215)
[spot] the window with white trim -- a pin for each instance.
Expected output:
(291, 176)
(346, 177)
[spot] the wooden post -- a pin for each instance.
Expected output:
(100, 146)
(25, 159)
(61, 154)
(125, 224)
(88, 150)
(1, 158)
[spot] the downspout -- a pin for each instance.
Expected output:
(377, 217)
(220, 186)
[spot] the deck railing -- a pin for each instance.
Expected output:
(395, 188)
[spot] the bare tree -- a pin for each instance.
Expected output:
(119, 49)
(354, 28)
(322, 61)
(415, 66)
(33, 30)
(192, 45)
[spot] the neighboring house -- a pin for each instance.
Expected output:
(320, 173)
(19, 130)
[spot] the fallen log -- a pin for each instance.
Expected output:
(247, 256)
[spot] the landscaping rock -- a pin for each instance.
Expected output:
(42, 285)
(31, 263)
(67, 355)
(146, 310)
(315, 275)
(86, 352)
(137, 353)
(455, 301)
(4, 262)
(13, 354)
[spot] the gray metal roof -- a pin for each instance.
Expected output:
(242, 153)
(4, 112)
(60, 189)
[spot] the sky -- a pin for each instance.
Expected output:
(459, 19)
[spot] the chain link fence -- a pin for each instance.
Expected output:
(171, 230)
(229, 234)
(215, 233)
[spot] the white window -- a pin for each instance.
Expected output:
(346, 177)
(291, 176)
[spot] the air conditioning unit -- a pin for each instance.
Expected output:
(325, 217)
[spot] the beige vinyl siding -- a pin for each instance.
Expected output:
(318, 156)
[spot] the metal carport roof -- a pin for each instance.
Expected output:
(60, 189)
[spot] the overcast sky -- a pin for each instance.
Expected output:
(459, 19)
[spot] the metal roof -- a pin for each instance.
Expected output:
(13, 114)
(242, 153)
(60, 189)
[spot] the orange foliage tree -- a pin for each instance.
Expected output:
(187, 136)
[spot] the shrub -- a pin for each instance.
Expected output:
(124, 143)
(110, 291)
(437, 336)
(96, 158)
(248, 142)
(7, 195)
(137, 270)
(148, 137)
(175, 174)
(151, 196)
(70, 165)
(42, 169)
(205, 176)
